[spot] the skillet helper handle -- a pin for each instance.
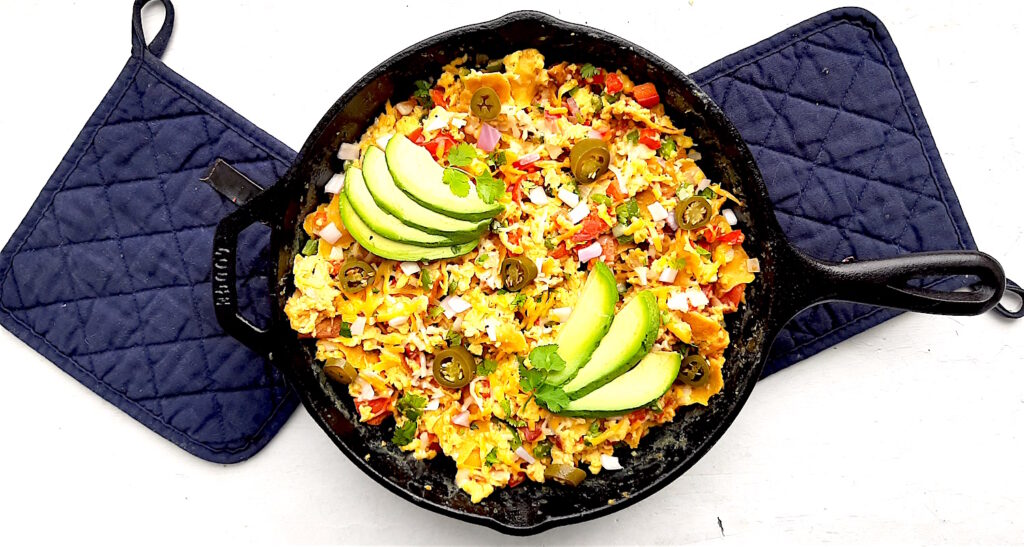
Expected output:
(225, 277)
(885, 282)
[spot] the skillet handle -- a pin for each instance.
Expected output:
(225, 252)
(884, 282)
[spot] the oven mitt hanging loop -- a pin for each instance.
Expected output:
(163, 36)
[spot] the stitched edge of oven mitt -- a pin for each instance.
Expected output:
(832, 119)
(108, 275)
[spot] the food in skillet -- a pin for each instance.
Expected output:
(525, 268)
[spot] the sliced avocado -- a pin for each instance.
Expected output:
(389, 248)
(588, 322)
(385, 224)
(419, 176)
(391, 199)
(628, 339)
(638, 388)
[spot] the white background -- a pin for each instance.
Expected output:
(910, 433)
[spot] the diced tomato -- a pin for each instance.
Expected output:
(593, 225)
(650, 138)
(731, 299)
(646, 95)
(530, 435)
(516, 190)
(378, 407)
(612, 83)
(437, 95)
(517, 479)
(597, 79)
(615, 192)
(710, 234)
(639, 415)
(560, 251)
(417, 136)
(432, 442)
(734, 237)
(440, 144)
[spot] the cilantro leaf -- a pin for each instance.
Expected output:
(461, 155)
(530, 379)
(405, 433)
(633, 136)
(311, 247)
(489, 188)
(552, 397)
(496, 159)
(546, 358)
(422, 94)
(627, 211)
(457, 181)
(589, 71)
(486, 367)
(542, 450)
(492, 457)
(601, 198)
(411, 405)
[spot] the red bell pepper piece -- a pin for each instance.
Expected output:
(612, 83)
(734, 237)
(650, 138)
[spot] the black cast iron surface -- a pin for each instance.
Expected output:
(788, 282)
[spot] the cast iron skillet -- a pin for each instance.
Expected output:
(789, 281)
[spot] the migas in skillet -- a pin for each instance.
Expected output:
(788, 281)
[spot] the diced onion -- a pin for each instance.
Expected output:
(330, 233)
(573, 108)
(398, 321)
(365, 389)
(568, 197)
(753, 265)
(491, 331)
(561, 314)
(348, 151)
(618, 179)
(610, 463)
(658, 211)
(594, 134)
(409, 268)
(578, 213)
(461, 418)
(590, 252)
(528, 159)
(458, 122)
(702, 185)
(337, 253)
(472, 391)
(382, 141)
(537, 196)
(671, 221)
(678, 302)
(730, 217)
(697, 298)
(668, 275)
(358, 325)
(454, 305)
(524, 455)
(434, 404)
(489, 137)
(641, 274)
(618, 230)
(405, 107)
(336, 183)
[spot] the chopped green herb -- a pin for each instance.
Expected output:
(425, 281)
(346, 330)
(707, 193)
(436, 312)
(461, 155)
(411, 405)
(489, 188)
(552, 397)
(453, 338)
(506, 407)
(589, 71)
(627, 211)
(633, 136)
(422, 94)
(595, 428)
(530, 379)
(549, 244)
(487, 366)
(405, 433)
(546, 358)
(668, 148)
(457, 181)
(517, 441)
(492, 457)
(311, 247)
(496, 159)
(519, 300)
(601, 199)
(542, 450)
